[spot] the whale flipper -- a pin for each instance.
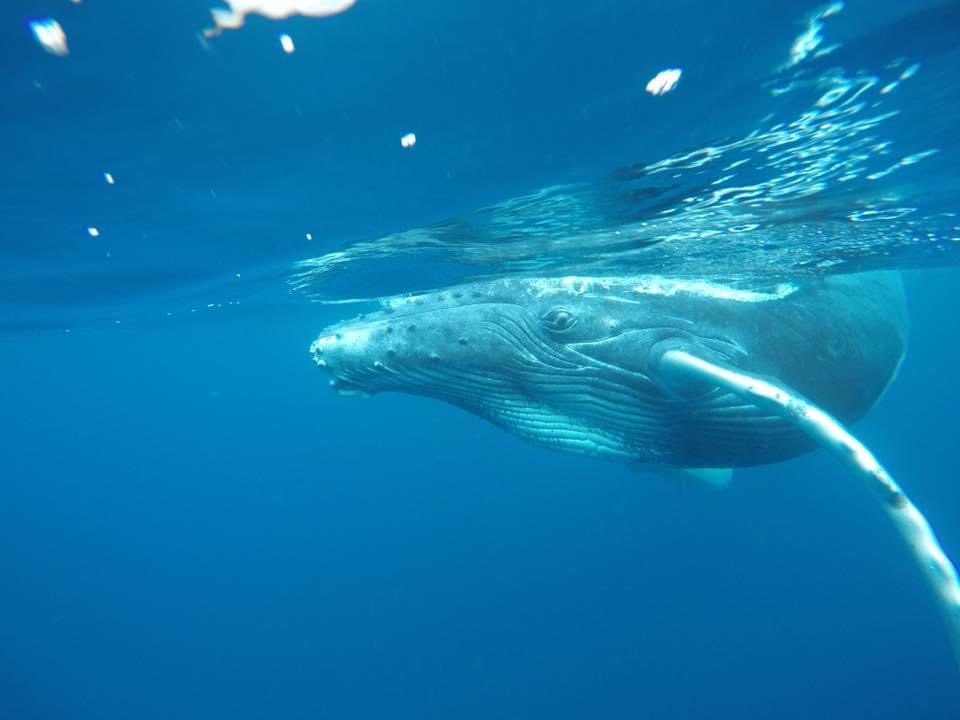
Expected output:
(680, 366)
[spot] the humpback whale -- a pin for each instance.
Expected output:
(683, 375)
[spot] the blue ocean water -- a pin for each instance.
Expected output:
(193, 525)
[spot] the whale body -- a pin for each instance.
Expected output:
(572, 363)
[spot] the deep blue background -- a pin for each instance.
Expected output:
(192, 525)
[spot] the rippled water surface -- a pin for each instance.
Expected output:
(806, 140)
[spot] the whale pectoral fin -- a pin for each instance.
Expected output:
(772, 396)
(716, 478)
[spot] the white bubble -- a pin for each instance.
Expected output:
(93, 231)
(286, 42)
(109, 178)
(408, 140)
(664, 81)
(50, 35)
(234, 17)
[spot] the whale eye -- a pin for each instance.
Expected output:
(558, 319)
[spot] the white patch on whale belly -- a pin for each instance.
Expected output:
(658, 285)
(655, 285)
